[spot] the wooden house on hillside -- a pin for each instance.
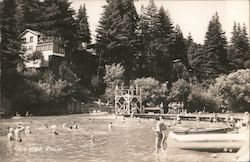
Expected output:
(39, 48)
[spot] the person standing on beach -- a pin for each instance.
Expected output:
(160, 135)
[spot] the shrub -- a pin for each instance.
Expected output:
(233, 90)
(179, 91)
(153, 91)
(200, 99)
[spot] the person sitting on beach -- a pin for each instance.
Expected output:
(160, 135)
(18, 131)
(11, 134)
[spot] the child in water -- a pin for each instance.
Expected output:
(27, 130)
(110, 126)
(18, 131)
(75, 126)
(11, 134)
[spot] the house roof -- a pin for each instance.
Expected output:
(31, 31)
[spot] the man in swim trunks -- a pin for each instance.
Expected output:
(160, 135)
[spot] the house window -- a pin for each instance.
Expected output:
(24, 48)
(31, 39)
(23, 40)
(30, 48)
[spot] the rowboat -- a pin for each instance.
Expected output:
(202, 130)
(207, 141)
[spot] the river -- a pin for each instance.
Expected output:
(94, 141)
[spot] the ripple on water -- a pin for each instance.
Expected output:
(125, 142)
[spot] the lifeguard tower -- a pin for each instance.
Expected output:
(128, 101)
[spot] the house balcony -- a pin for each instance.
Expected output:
(51, 49)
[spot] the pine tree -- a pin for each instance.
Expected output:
(10, 49)
(239, 47)
(83, 25)
(156, 38)
(51, 17)
(150, 16)
(195, 58)
(116, 34)
(165, 26)
(180, 49)
(148, 27)
(163, 46)
(214, 50)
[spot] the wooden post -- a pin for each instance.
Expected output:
(140, 102)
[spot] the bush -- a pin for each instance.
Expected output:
(233, 90)
(179, 91)
(43, 89)
(200, 99)
(153, 91)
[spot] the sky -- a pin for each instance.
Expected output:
(192, 15)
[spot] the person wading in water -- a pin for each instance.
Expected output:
(160, 135)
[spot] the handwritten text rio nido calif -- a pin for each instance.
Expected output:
(38, 149)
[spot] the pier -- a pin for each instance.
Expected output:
(189, 117)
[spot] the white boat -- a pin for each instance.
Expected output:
(211, 141)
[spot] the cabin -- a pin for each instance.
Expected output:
(39, 48)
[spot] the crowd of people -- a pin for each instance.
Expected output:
(15, 134)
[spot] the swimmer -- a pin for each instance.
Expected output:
(91, 139)
(18, 131)
(53, 126)
(54, 132)
(46, 125)
(64, 125)
(75, 126)
(138, 120)
(123, 121)
(11, 134)
(27, 130)
(67, 126)
(110, 126)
